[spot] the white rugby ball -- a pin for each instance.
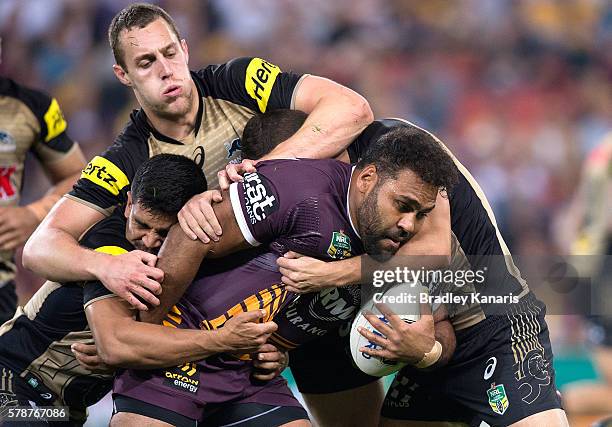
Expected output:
(398, 299)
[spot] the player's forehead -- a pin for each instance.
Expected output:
(409, 186)
(150, 218)
(154, 36)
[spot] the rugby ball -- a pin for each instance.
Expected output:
(402, 299)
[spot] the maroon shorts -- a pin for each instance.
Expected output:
(190, 389)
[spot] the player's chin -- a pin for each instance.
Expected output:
(383, 252)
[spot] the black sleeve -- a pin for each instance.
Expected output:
(106, 179)
(107, 236)
(375, 130)
(252, 82)
(53, 139)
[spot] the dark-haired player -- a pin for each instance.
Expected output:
(307, 205)
(36, 361)
(30, 120)
(501, 372)
(197, 114)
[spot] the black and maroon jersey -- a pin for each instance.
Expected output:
(35, 343)
(476, 243)
(230, 94)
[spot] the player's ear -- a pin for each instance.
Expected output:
(128, 205)
(122, 75)
(367, 179)
(185, 49)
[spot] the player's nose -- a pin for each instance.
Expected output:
(151, 240)
(165, 68)
(407, 222)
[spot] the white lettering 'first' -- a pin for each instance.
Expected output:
(257, 195)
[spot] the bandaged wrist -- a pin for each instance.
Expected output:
(430, 357)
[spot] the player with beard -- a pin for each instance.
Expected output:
(320, 208)
(36, 362)
(200, 115)
(501, 371)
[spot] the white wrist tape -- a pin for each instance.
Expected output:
(430, 357)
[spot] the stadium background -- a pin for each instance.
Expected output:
(519, 90)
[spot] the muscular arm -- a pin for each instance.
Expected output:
(126, 275)
(180, 258)
(60, 230)
(445, 335)
(122, 341)
(336, 115)
(429, 249)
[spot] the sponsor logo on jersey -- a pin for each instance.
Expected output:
(7, 142)
(258, 196)
(8, 188)
(233, 147)
(329, 305)
(498, 399)
(105, 174)
(183, 378)
(259, 80)
(54, 120)
(340, 245)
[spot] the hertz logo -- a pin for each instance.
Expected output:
(54, 119)
(105, 174)
(260, 78)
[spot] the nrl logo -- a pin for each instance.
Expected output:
(340, 246)
(498, 399)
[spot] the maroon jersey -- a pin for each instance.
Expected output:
(299, 205)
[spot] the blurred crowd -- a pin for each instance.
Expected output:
(519, 90)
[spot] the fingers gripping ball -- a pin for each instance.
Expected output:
(404, 300)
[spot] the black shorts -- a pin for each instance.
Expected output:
(234, 414)
(8, 302)
(501, 372)
(325, 365)
(15, 392)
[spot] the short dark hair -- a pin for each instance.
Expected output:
(409, 147)
(164, 183)
(263, 132)
(135, 15)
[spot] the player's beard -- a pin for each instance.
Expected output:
(373, 231)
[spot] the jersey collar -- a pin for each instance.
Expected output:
(348, 206)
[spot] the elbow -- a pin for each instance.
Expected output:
(362, 110)
(31, 255)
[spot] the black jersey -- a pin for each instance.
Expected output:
(30, 120)
(476, 243)
(35, 344)
(230, 94)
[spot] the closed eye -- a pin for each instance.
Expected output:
(403, 207)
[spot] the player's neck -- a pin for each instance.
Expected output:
(353, 203)
(176, 127)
